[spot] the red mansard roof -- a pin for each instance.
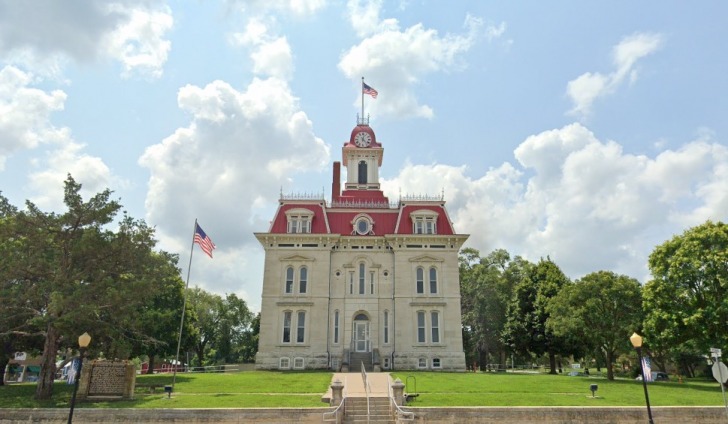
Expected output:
(339, 220)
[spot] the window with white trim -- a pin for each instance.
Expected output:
(424, 221)
(361, 278)
(284, 363)
(386, 327)
(435, 326)
(436, 363)
(301, 327)
(421, 327)
(302, 279)
(422, 363)
(299, 220)
(298, 363)
(336, 326)
(287, 326)
(289, 280)
(433, 280)
(420, 280)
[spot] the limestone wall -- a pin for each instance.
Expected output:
(520, 415)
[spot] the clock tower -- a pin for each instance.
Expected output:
(362, 157)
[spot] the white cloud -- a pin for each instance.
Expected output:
(68, 158)
(25, 125)
(238, 150)
(588, 87)
(42, 34)
(395, 60)
(271, 55)
(25, 112)
(294, 7)
(582, 201)
(139, 43)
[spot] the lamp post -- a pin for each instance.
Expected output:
(83, 342)
(636, 341)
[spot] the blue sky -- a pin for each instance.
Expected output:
(587, 132)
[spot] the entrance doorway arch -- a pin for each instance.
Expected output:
(361, 333)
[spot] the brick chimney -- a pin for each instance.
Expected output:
(336, 183)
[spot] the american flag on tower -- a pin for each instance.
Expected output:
(203, 240)
(368, 90)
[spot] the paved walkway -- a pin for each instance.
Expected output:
(379, 383)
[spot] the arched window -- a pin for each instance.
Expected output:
(362, 172)
(303, 279)
(435, 326)
(420, 326)
(420, 278)
(301, 327)
(289, 280)
(433, 280)
(336, 326)
(287, 327)
(386, 327)
(361, 278)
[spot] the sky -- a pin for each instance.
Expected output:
(586, 132)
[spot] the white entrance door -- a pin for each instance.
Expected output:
(361, 336)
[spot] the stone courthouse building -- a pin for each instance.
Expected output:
(360, 279)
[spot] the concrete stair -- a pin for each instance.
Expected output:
(356, 360)
(379, 413)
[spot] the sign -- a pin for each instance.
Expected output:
(20, 356)
(715, 352)
(720, 372)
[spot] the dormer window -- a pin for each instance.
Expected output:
(362, 225)
(424, 221)
(299, 220)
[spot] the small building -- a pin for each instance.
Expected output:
(359, 279)
(22, 369)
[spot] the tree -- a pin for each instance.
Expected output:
(159, 317)
(249, 343)
(235, 320)
(221, 324)
(603, 308)
(70, 273)
(486, 286)
(525, 330)
(685, 302)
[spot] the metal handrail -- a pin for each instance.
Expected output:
(334, 415)
(402, 415)
(366, 387)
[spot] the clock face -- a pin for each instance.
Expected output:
(362, 139)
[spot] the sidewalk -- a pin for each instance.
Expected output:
(379, 383)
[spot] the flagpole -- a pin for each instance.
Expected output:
(184, 307)
(362, 100)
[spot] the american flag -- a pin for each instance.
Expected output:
(204, 241)
(368, 90)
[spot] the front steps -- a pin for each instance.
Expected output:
(379, 410)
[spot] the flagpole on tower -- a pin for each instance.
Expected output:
(362, 100)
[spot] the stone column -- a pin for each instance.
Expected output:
(85, 379)
(337, 389)
(398, 392)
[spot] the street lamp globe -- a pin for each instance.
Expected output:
(84, 340)
(636, 340)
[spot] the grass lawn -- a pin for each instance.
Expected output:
(255, 389)
(507, 389)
